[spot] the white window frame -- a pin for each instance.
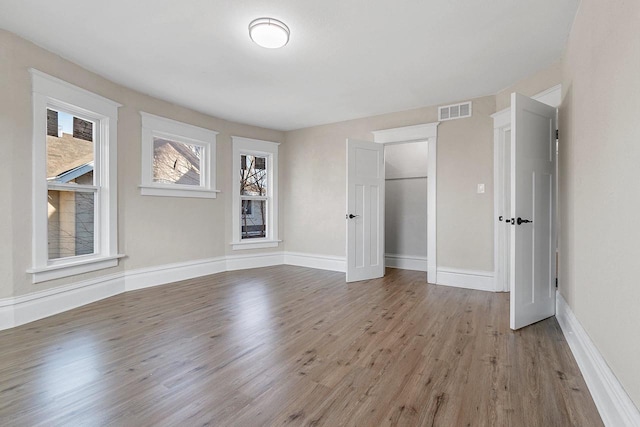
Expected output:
(255, 147)
(156, 126)
(51, 92)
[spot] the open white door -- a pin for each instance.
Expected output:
(365, 210)
(532, 252)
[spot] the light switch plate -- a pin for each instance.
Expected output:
(480, 188)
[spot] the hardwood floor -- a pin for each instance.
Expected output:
(292, 346)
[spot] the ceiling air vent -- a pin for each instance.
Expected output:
(454, 111)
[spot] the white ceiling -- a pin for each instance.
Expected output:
(346, 58)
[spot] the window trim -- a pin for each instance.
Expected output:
(49, 91)
(268, 149)
(156, 126)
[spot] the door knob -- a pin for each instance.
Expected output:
(351, 216)
(500, 218)
(521, 221)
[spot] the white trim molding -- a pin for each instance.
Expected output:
(614, 404)
(501, 232)
(422, 132)
(168, 273)
(406, 262)
(551, 96)
(243, 262)
(419, 132)
(470, 279)
(502, 118)
(16, 311)
(321, 262)
(166, 191)
(77, 266)
(258, 244)
(38, 305)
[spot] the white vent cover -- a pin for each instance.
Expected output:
(454, 111)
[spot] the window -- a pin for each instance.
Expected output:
(178, 159)
(255, 189)
(71, 184)
(74, 187)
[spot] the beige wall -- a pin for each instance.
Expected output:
(315, 184)
(152, 230)
(599, 152)
(465, 218)
(6, 177)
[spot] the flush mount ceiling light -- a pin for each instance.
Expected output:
(269, 33)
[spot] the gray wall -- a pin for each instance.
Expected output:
(406, 217)
(599, 152)
(406, 199)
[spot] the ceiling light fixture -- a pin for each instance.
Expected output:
(269, 33)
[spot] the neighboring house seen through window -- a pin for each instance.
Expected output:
(71, 185)
(255, 189)
(178, 159)
(74, 160)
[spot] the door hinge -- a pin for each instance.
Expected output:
(557, 134)
(556, 282)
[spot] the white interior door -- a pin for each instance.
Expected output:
(532, 251)
(365, 210)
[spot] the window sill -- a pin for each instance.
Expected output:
(150, 190)
(72, 268)
(258, 244)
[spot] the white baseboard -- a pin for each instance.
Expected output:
(243, 262)
(7, 311)
(168, 273)
(21, 310)
(405, 262)
(615, 406)
(321, 262)
(38, 305)
(471, 279)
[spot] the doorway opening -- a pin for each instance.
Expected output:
(425, 134)
(406, 165)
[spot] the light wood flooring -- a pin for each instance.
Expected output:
(292, 346)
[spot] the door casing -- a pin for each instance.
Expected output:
(422, 132)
